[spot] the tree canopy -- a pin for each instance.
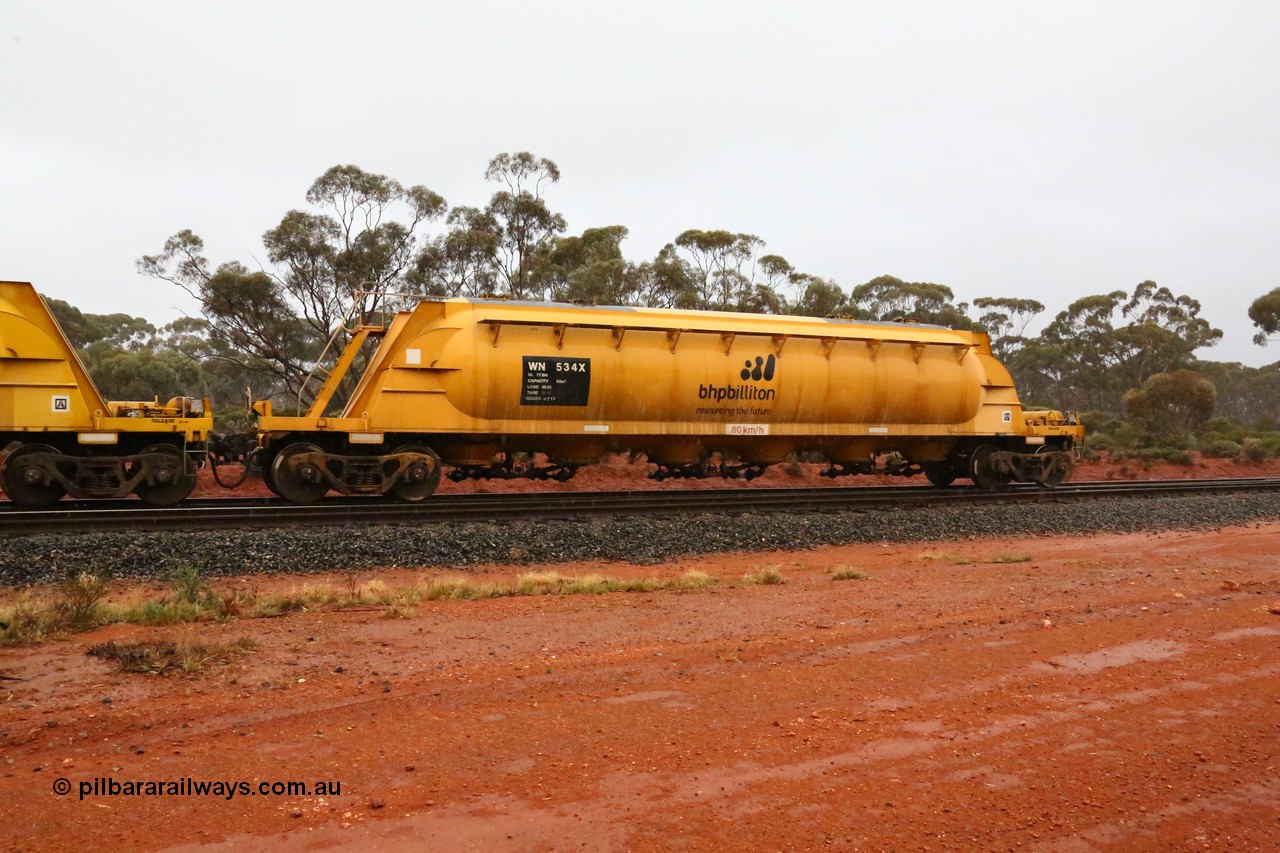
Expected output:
(1265, 314)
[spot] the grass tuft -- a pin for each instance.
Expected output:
(693, 579)
(33, 620)
(77, 605)
(162, 612)
(27, 622)
(847, 573)
(768, 575)
(938, 556)
(186, 655)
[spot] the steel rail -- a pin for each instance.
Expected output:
(231, 513)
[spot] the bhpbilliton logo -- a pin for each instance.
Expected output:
(759, 370)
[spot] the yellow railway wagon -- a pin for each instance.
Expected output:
(59, 437)
(477, 384)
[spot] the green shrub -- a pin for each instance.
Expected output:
(1099, 422)
(1097, 441)
(1223, 427)
(1221, 448)
(1251, 450)
(189, 585)
(1147, 457)
(81, 601)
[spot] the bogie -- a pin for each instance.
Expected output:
(166, 475)
(28, 478)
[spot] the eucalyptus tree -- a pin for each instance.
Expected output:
(1265, 314)
(1006, 320)
(130, 359)
(463, 260)
(1175, 404)
(889, 298)
(590, 268)
(120, 330)
(668, 281)
(524, 226)
(1103, 345)
(362, 233)
(1247, 395)
(818, 297)
(1162, 335)
(723, 267)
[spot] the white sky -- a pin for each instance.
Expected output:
(1047, 151)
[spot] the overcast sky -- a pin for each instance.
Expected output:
(1037, 150)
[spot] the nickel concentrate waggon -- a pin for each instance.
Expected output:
(481, 385)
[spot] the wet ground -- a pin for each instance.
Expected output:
(1068, 694)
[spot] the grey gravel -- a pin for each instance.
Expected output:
(49, 557)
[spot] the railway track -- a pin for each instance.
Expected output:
(238, 513)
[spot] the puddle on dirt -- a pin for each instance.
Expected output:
(1140, 651)
(1241, 633)
(651, 696)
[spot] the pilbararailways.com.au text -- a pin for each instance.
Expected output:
(106, 786)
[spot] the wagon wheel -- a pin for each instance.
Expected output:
(24, 480)
(941, 474)
(984, 472)
(421, 477)
(295, 478)
(1059, 471)
(173, 480)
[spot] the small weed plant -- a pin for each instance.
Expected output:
(189, 585)
(847, 573)
(769, 575)
(77, 605)
(186, 655)
(80, 604)
(1009, 557)
(940, 557)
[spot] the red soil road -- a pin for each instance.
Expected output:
(1109, 693)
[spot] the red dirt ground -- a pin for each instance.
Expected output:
(1067, 694)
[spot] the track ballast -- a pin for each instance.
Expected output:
(256, 513)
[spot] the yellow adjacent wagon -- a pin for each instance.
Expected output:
(59, 437)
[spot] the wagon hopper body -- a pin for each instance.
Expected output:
(59, 436)
(474, 382)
